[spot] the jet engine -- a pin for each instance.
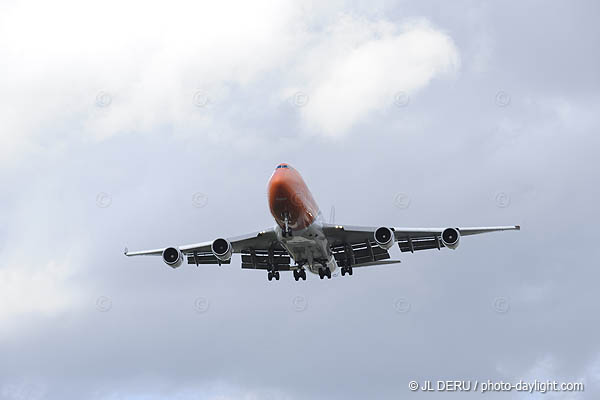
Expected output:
(384, 237)
(172, 256)
(222, 249)
(450, 238)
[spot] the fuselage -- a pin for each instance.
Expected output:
(299, 221)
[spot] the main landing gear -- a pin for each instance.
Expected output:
(324, 272)
(346, 270)
(300, 273)
(272, 275)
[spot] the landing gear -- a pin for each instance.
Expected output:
(300, 273)
(272, 275)
(324, 272)
(346, 270)
(286, 231)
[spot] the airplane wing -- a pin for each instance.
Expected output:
(408, 239)
(350, 245)
(201, 253)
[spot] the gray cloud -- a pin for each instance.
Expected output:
(78, 320)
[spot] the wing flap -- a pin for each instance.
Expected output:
(266, 259)
(413, 245)
(382, 262)
(358, 253)
(205, 258)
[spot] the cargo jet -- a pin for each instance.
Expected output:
(300, 235)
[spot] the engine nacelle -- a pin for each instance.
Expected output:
(450, 238)
(172, 256)
(222, 249)
(384, 237)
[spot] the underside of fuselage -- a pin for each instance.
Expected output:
(309, 247)
(299, 221)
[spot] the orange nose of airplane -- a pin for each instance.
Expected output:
(290, 199)
(281, 191)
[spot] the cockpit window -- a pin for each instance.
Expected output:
(282, 166)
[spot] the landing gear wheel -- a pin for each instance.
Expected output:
(296, 275)
(321, 273)
(343, 271)
(302, 274)
(276, 274)
(349, 270)
(270, 276)
(328, 273)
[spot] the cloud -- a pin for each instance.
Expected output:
(147, 59)
(43, 289)
(358, 66)
(101, 99)
(137, 67)
(42, 252)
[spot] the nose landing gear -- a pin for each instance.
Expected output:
(286, 231)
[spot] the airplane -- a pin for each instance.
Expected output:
(301, 235)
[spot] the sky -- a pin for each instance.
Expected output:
(147, 124)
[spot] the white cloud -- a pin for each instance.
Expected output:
(151, 58)
(358, 66)
(25, 288)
